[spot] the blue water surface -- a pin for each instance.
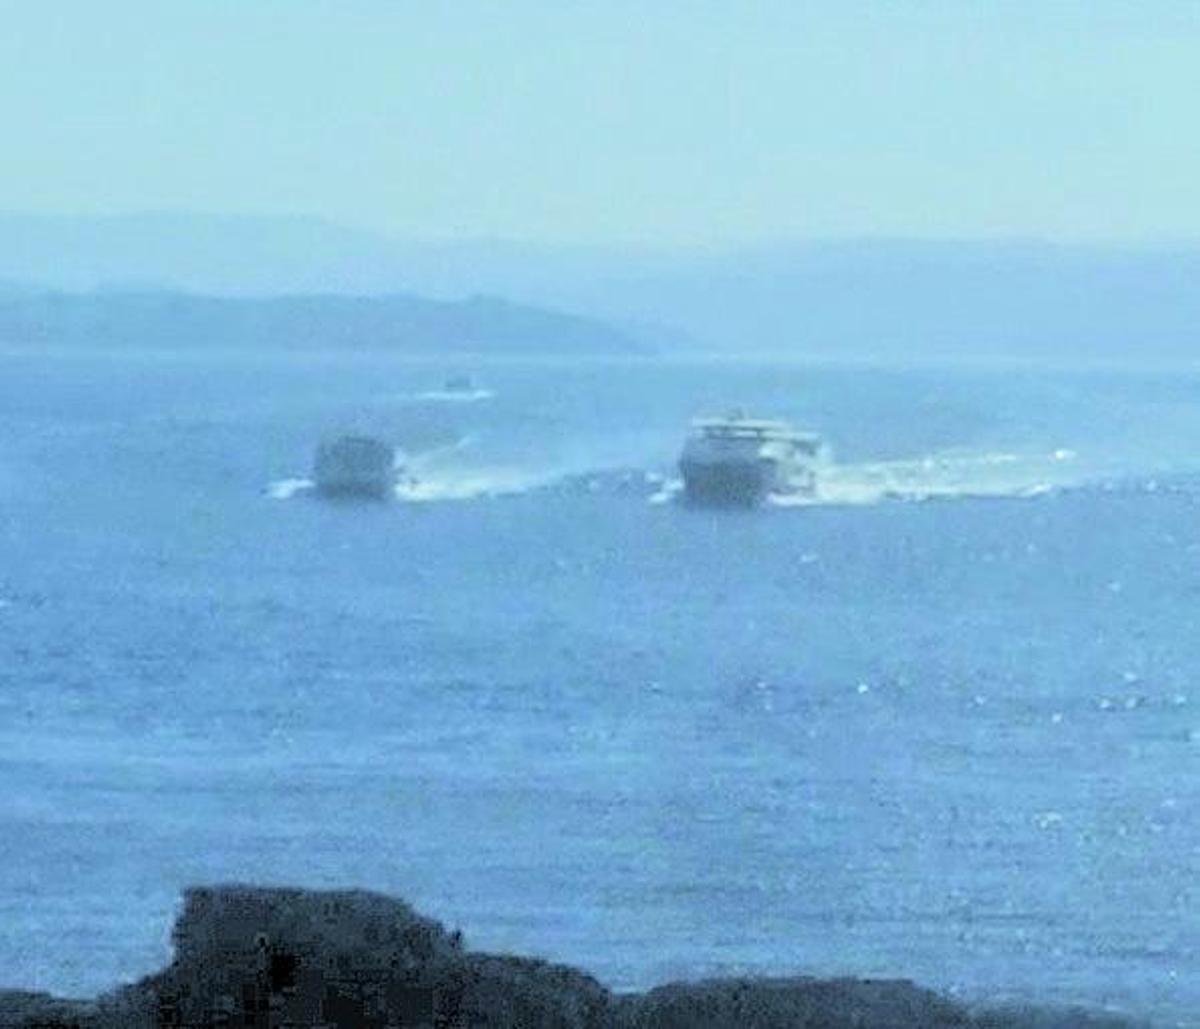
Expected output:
(940, 723)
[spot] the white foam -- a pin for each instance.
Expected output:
(455, 396)
(469, 484)
(285, 489)
(668, 491)
(937, 477)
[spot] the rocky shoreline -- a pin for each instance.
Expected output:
(274, 957)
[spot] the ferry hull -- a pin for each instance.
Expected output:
(728, 484)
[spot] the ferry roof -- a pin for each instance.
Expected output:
(749, 427)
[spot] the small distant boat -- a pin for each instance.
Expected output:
(459, 384)
(457, 388)
(740, 461)
(355, 466)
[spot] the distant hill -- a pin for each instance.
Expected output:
(157, 319)
(872, 298)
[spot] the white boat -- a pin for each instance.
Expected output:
(740, 461)
(356, 466)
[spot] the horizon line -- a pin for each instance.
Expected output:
(711, 246)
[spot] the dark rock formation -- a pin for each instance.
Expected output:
(23, 1010)
(786, 1003)
(274, 957)
(262, 957)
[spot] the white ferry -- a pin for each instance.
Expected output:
(740, 461)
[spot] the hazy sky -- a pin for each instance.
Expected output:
(657, 121)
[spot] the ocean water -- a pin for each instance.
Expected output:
(941, 722)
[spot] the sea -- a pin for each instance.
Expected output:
(940, 721)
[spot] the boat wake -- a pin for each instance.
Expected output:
(470, 484)
(947, 476)
(419, 486)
